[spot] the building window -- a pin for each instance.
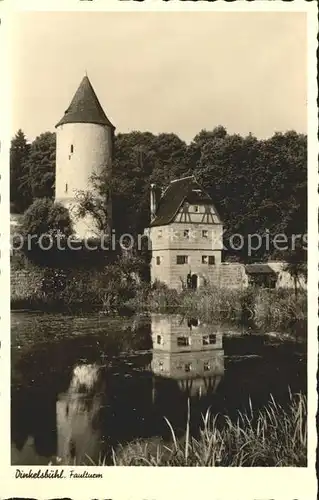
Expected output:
(204, 259)
(188, 367)
(204, 233)
(196, 208)
(183, 341)
(159, 339)
(206, 366)
(160, 366)
(71, 148)
(209, 339)
(66, 188)
(211, 260)
(192, 322)
(160, 233)
(182, 259)
(158, 261)
(186, 233)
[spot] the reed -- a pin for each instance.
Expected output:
(272, 437)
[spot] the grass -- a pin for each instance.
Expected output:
(266, 309)
(273, 437)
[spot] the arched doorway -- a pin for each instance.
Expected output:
(194, 281)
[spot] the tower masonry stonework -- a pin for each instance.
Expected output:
(84, 147)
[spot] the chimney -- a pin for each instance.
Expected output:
(153, 206)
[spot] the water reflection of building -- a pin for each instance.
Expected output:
(78, 414)
(188, 352)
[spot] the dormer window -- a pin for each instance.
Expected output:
(71, 148)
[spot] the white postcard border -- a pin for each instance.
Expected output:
(161, 483)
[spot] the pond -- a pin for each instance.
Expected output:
(84, 385)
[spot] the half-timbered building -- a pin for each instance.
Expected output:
(186, 235)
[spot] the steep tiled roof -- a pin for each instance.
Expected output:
(178, 191)
(85, 107)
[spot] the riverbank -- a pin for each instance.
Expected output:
(273, 437)
(86, 291)
(265, 309)
(271, 311)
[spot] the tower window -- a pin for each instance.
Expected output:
(182, 259)
(183, 341)
(66, 188)
(209, 339)
(158, 261)
(159, 339)
(71, 148)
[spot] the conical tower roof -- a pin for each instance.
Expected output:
(85, 107)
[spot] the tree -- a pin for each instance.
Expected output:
(20, 194)
(44, 217)
(45, 228)
(258, 186)
(140, 159)
(41, 165)
(96, 202)
(296, 265)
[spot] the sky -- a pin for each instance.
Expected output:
(163, 72)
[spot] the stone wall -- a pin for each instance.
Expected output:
(25, 282)
(233, 275)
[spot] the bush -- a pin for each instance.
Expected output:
(212, 303)
(279, 309)
(43, 223)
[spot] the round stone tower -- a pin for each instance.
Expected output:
(84, 145)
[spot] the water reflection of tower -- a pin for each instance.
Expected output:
(187, 352)
(77, 412)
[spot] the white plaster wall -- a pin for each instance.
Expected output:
(284, 279)
(92, 152)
